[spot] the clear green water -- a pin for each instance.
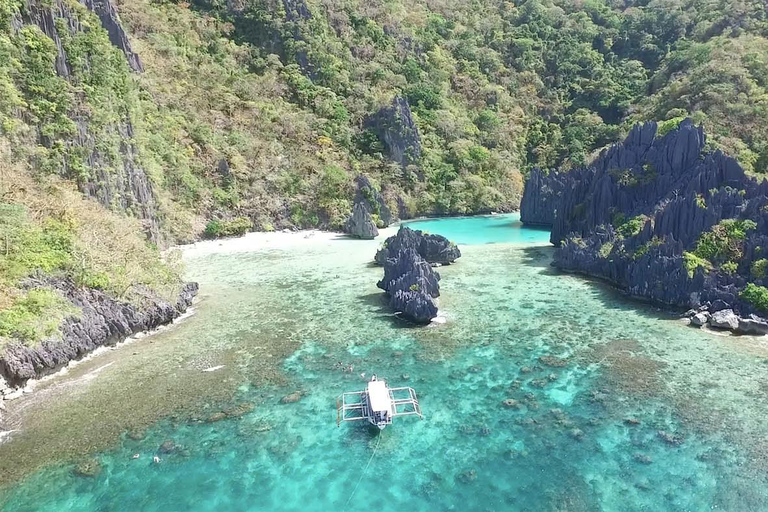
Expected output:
(566, 447)
(488, 229)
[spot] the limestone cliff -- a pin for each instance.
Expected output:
(662, 218)
(397, 130)
(98, 151)
(114, 176)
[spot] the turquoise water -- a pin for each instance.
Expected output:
(490, 229)
(618, 406)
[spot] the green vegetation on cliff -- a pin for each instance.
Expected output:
(258, 114)
(267, 109)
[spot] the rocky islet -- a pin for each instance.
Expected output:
(637, 215)
(409, 279)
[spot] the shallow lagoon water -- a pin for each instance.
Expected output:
(486, 229)
(618, 406)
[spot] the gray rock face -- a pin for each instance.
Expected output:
(372, 199)
(104, 321)
(672, 190)
(412, 286)
(107, 14)
(540, 198)
(360, 224)
(396, 128)
(114, 182)
(433, 248)
(700, 319)
(296, 10)
(724, 319)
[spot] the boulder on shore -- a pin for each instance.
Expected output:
(360, 224)
(433, 248)
(700, 319)
(724, 319)
(753, 325)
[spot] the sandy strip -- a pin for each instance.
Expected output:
(277, 240)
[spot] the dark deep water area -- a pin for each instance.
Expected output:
(541, 392)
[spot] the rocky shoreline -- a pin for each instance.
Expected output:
(666, 220)
(102, 321)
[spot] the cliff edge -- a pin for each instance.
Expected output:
(667, 220)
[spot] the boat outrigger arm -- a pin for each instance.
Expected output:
(378, 404)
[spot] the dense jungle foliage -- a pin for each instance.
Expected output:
(258, 114)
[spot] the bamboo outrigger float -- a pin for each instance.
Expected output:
(377, 403)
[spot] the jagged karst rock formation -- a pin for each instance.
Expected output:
(433, 248)
(637, 215)
(372, 199)
(296, 10)
(103, 321)
(397, 130)
(360, 224)
(540, 198)
(412, 285)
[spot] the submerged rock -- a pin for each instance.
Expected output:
(217, 416)
(168, 446)
(468, 476)
(136, 434)
(360, 224)
(433, 248)
(511, 403)
(292, 398)
(88, 468)
(556, 362)
(669, 438)
(642, 458)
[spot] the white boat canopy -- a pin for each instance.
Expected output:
(377, 404)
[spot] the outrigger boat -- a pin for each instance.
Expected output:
(377, 403)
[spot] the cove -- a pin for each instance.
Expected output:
(542, 391)
(486, 229)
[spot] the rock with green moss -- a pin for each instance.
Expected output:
(688, 235)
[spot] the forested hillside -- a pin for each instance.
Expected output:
(167, 121)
